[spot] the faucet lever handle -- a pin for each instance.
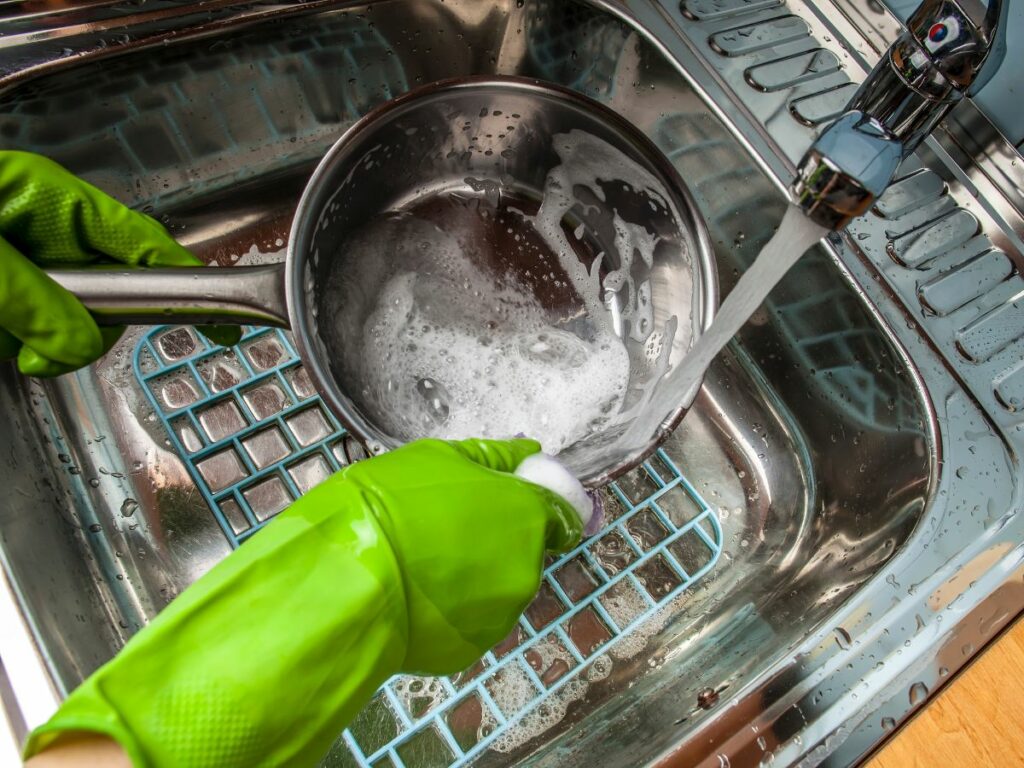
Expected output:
(957, 36)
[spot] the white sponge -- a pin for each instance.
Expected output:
(549, 472)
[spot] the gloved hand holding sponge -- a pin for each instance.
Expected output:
(419, 560)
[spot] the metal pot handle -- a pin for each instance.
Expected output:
(205, 295)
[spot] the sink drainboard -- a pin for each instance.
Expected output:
(254, 435)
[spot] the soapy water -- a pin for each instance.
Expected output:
(585, 160)
(254, 257)
(481, 312)
(449, 352)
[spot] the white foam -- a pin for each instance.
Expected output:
(587, 161)
(449, 352)
(255, 257)
(541, 718)
(419, 695)
(451, 381)
(511, 690)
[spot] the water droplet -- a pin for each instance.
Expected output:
(436, 401)
(128, 507)
(888, 723)
(95, 528)
(707, 698)
(843, 638)
(918, 693)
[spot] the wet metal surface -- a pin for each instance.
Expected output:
(861, 469)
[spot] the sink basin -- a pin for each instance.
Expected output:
(770, 586)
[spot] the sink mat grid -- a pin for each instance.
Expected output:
(254, 436)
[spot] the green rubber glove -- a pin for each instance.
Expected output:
(417, 561)
(50, 218)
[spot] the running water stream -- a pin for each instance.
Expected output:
(794, 236)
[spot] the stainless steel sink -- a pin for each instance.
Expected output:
(854, 473)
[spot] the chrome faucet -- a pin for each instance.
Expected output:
(935, 62)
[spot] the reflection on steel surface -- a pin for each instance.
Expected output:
(858, 559)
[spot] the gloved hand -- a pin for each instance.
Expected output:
(49, 218)
(417, 561)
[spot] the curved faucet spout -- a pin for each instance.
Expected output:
(946, 47)
(849, 166)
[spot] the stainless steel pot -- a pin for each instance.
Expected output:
(477, 138)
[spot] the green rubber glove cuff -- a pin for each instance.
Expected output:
(264, 659)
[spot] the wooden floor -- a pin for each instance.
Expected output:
(978, 721)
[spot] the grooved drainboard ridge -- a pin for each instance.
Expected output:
(254, 436)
